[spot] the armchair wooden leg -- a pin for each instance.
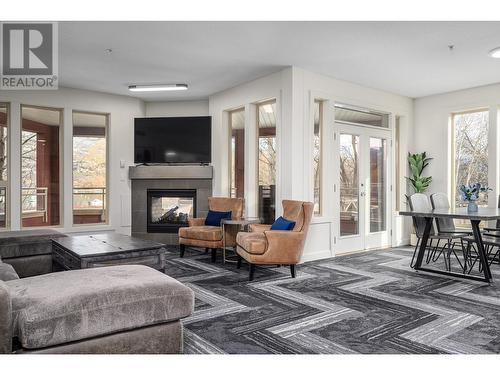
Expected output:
(252, 271)
(182, 250)
(292, 270)
(214, 255)
(238, 264)
(206, 250)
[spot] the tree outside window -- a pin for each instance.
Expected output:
(471, 152)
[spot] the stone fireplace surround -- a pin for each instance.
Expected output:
(176, 177)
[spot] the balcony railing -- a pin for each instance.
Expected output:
(3, 202)
(89, 198)
(35, 201)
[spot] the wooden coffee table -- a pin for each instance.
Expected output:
(77, 252)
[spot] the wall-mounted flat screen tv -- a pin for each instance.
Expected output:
(173, 140)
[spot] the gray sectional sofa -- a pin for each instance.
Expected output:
(118, 309)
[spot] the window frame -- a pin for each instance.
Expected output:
(321, 103)
(107, 196)
(7, 107)
(61, 166)
(257, 148)
(230, 149)
(453, 150)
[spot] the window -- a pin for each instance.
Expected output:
(89, 168)
(266, 126)
(4, 121)
(237, 153)
(397, 152)
(470, 147)
(318, 124)
(40, 166)
(359, 116)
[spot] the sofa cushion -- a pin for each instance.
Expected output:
(252, 242)
(202, 233)
(68, 306)
(22, 243)
(7, 272)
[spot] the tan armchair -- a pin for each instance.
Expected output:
(281, 247)
(197, 234)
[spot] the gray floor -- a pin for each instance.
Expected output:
(365, 303)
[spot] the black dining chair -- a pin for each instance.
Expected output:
(491, 241)
(446, 228)
(419, 202)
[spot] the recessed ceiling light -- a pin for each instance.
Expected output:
(495, 53)
(168, 87)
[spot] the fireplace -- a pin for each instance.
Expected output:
(169, 209)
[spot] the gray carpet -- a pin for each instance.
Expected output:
(365, 303)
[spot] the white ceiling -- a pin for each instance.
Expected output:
(407, 58)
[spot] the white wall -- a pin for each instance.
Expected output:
(432, 133)
(122, 111)
(295, 90)
(177, 109)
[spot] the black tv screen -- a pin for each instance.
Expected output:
(173, 140)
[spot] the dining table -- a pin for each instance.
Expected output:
(475, 218)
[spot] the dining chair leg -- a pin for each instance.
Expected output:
(453, 244)
(467, 255)
(447, 259)
(464, 255)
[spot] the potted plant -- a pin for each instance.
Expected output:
(470, 194)
(417, 163)
(419, 183)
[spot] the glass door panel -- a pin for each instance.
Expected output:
(349, 184)
(378, 186)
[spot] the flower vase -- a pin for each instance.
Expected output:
(472, 207)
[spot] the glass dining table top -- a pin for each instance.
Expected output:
(483, 213)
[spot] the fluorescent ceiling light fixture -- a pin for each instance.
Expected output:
(495, 53)
(150, 88)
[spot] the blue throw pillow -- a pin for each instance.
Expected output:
(214, 217)
(283, 224)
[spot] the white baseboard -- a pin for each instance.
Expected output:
(326, 254)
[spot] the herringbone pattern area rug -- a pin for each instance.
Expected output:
(364, 303)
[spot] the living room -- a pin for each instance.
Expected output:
(249, 187)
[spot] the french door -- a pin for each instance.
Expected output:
(363, 191)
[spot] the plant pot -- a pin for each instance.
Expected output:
(472, 207)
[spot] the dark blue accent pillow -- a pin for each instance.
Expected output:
(214, 217)
(283, 224)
